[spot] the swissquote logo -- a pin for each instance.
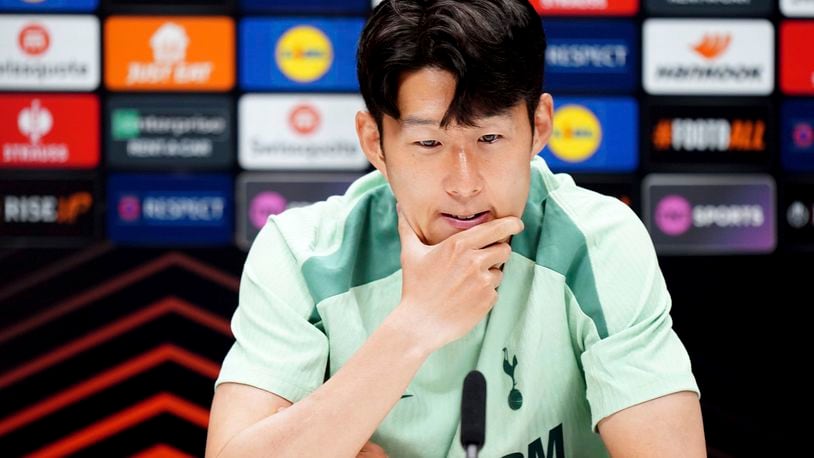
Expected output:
(702, 56)
(49, 52)
(49, 131)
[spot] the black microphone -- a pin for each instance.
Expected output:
(473, 413)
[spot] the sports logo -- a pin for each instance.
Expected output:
(298, 54)
(169, 53)
(49, 131)
(49, 52)
(593, 135)
(704, 56)
(299, 132)
(260, 195)
(706, 214)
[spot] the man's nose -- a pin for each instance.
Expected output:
(463, 179)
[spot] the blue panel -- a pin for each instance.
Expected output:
(49, 5)
(299, 54)
(797, 135)
(613, 147)
(594, 56)
(306, 6)
(170, 210)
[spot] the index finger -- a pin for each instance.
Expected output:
(489, 232)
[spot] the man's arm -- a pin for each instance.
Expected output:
(446, 290)
(669, 426)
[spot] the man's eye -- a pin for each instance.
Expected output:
(428, 143)
(490, 138)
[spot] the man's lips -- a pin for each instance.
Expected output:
(460, 222)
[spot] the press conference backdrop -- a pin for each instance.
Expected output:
(145, 142)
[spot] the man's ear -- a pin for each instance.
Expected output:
(370, 140)
(543, 123)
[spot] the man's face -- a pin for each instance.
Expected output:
(442, 176)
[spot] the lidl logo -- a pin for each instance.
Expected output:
(706, 56)
(593, 135)
(49, 131)
(576, 134)
(304, 54)
(169, 53)
(299, 54)
(45, 52)
(699, 214)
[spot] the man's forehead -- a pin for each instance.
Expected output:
(432, 121)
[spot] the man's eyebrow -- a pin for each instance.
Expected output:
(417, 121)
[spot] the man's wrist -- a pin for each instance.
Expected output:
(409, 333)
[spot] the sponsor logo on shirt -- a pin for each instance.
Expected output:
(723, 8)
(299, 54)
(194, 53)
(299, 132)
(49, 52)
(260, 195)
(166, 131)
(701, 56)
(48, 5)
(157, 209)
(796, 61)
(693, 214)
(710, 131)
(591, 55)
(586, 7)
(798, 8)
(47, 212)
(49, 131)
(797, 135)
(593, 135)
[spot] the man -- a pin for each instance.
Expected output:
(360, 316)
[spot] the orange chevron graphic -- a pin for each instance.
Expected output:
(712, 46)
(63, 265)
(128, 369)
(119, 282)
(149, 408)
(161, 451)
(157, 309)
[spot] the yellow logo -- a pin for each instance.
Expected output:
(577, 133)
(304, 53)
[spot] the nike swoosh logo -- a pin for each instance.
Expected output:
(407, 396)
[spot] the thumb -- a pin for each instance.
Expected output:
(409, 239)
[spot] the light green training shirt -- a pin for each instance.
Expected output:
(581, 328)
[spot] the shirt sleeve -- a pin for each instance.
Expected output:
(630, 352)
(276, 347)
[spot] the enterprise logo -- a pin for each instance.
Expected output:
(701, 56)
(695, 214)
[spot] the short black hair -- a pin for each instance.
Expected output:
(495, 50)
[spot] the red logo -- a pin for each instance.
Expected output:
(49, 131)
(586, 7)
(712, 46)
(304, 119)
(34, 39)
(796, 59)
